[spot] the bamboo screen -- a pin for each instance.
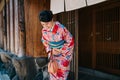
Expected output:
(108, 39)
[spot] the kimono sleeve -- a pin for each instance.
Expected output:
(69, 42)
(45, 42)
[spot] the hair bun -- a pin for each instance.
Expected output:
(45, 16)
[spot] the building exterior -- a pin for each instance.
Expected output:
(96, 30)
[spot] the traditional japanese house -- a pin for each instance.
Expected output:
(95, 27)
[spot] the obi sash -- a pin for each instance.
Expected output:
(57, 44)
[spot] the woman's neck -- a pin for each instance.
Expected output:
(52, 25)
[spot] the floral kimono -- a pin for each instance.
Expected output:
(56, 34)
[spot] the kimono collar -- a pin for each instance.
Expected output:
(53, 29)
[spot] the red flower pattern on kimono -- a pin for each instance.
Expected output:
(60, 73)
(65, 63)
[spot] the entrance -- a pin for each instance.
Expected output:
(99, 37)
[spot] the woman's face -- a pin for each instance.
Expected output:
(47, 24)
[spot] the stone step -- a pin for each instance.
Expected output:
(95, 75)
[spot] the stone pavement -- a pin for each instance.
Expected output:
(4, 77)
(89, 74)
(83, 76)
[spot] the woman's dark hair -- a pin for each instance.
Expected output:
(45, 16)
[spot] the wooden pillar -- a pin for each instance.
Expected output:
(11, 27)
(76, 45)
(5, 26)
(1, 30)
(16, 31)
(22, 39)
(8, 27)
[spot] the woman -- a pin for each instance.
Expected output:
(56, 33)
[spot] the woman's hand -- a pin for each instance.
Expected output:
(56, 51)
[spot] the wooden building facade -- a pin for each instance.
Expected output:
(99, 39)
(98, 35)
(96, 30)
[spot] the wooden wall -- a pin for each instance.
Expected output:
(85, 39)
(99, 37)
(34, 46)
(10, 27)
(21, 32)
(11, 19)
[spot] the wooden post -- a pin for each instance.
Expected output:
(76, 45)
(11, 27)
(8, 28)
(16, 32)
(5, 26)
(1, 30)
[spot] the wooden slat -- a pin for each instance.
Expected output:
(1, 30)
(5, 28)
(8, 27)
(16, 31)
(11, 27)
